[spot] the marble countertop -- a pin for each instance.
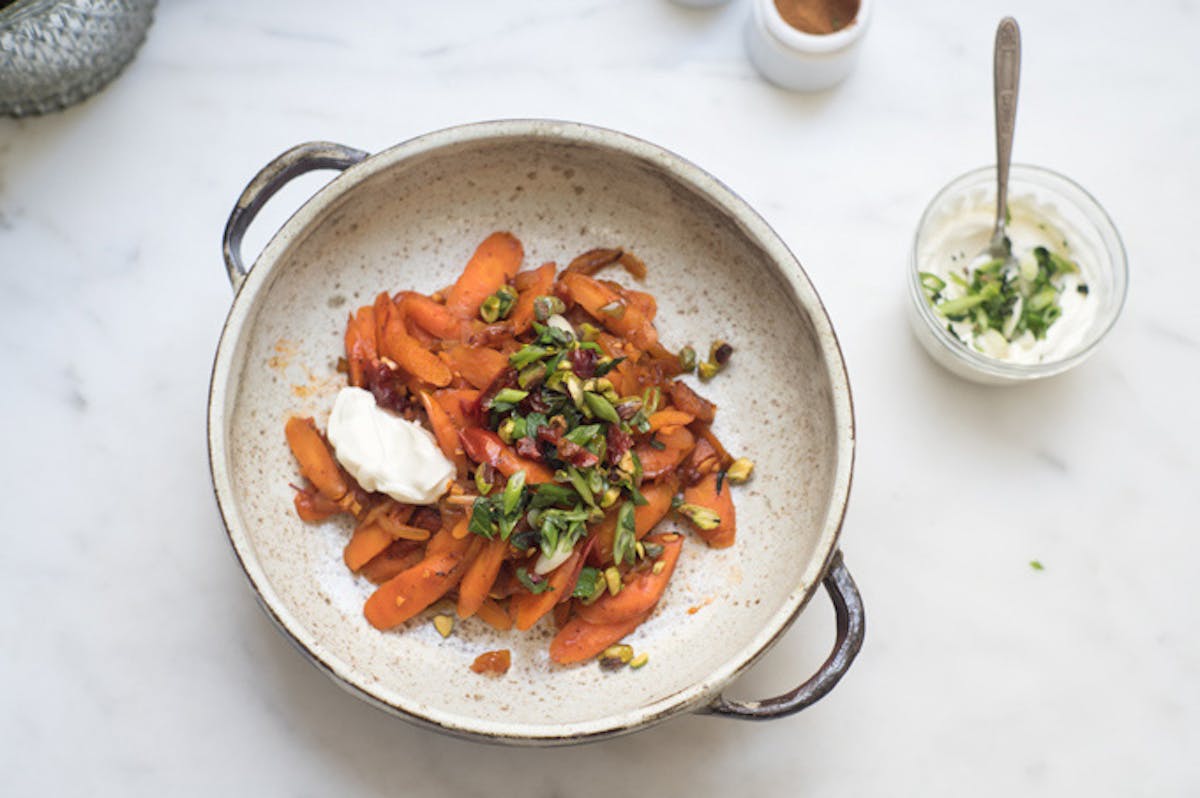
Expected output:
(135, 660)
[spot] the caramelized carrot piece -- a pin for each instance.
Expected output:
(706, 434)
(316, 461)
(478, 579)
(362, 346)
(687, 400)
(669, 418)
(528, 608)
(640, 594)
(494, 263)
(485, 446)
(312, 506)
(477, 366)
(407, 351)
(447, 538)
(455, 401)
(611, 309)
(494, 615)
(443, 427)
(657, 462)
(705, 494)
(392, 561)
(432, 317)
(367, 542)
(580, 640)
(645, 518)
(409, 592)
(493, 662)
(539, 283)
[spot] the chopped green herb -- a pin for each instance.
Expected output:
(625, 540)
(1036, 565)
(532, 582)
(590, 584)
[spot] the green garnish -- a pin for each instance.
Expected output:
(540, 586)
(625, 540)
(590, 584)
(1036, 565)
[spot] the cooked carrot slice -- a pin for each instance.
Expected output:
(645, 518)
(316, 460)
(443, 427)
(705, 494)
(493, 662)
(455, 402)
(639, 595)
(477, 366)
(406, 594)
(362, 346)
(396, 558)
(485, 446)
(539, 283)
(367, 542)
(657, 462)
(611, 309)
(580, 640)
(478, 579)
(312, 506)
(407, 351)
(494, 263)
(432, 317)
(494, 615)
(528, 608)
(669, 418)
(687, 400)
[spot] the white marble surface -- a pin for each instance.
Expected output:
(135, 661)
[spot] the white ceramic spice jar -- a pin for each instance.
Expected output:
(795, 59)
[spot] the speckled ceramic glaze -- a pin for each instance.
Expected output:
(410, 217)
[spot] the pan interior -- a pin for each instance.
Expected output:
(412, 225)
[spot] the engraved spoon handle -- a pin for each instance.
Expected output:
(1007, 66)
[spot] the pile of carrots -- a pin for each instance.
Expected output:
(445, 361)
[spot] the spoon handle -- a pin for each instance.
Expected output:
(1007, 66)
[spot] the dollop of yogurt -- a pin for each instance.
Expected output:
(385, 452)
(963, 230)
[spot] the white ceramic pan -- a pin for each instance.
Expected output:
(409, 217)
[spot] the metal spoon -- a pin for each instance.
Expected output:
(1007, 75)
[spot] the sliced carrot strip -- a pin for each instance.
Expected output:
(705, 494)
(409, 592)
(528, 608)
(494, 263)
(494, 615)
(580, 640)
(611, 309)
(485, 446)
(657, 462)
(639, 595)
(368, 541)
(477, 366)
(539, 283)
(316, 461)
(669, 418)
(432, 317)
(362, 346)
(478, 579)
(645, 518)
(408, 352)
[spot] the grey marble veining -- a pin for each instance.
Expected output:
(135, 660)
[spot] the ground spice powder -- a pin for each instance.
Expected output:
(818, 16)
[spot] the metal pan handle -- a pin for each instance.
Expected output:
(272, 177)
(851, 627)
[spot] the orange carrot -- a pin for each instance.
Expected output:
(367, 542)
(704, 494)
(362, 346)
(494, 263)
(454, 402)
(493, 662)
(485, 446)
(311, 505)
(527, 608)
(478, 579)
(657, 462)
(316, 461)
(539, 283)
(687, 400)
(580, 640)
(433, 318)
(409, 592)
(418, 361)
(494, 615)
(390, 562)
(669, 418)
(443, 427)
(645, 518)
(611, 309)
(477, 366)
(639, 595)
